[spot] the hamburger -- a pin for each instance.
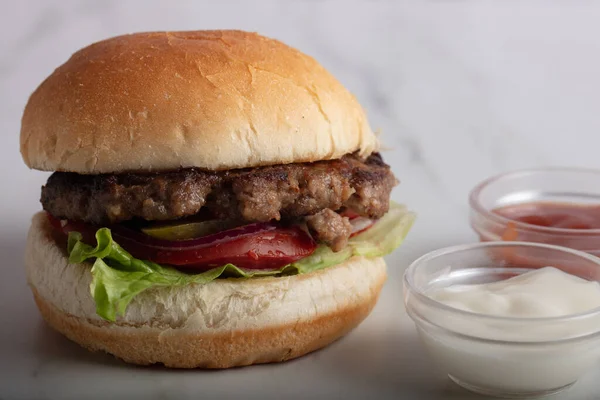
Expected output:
(217, 200)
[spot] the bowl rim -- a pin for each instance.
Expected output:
(427, 324)
(476, 205)
(411, 289)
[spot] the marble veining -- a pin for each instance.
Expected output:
(459, 90)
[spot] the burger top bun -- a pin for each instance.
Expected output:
(214, 100)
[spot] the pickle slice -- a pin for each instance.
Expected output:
(187, 230)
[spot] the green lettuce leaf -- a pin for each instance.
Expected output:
(117, 277)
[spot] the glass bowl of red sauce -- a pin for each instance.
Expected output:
(559, 206)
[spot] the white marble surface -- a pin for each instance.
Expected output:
(460, 90)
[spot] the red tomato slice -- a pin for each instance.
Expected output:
(87, 231)
(253, 246)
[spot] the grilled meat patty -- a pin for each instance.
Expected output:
(330, 227)
(256, 194)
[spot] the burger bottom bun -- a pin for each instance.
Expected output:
(225, 323)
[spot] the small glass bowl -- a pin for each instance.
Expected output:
(562, 185)
(502, 356)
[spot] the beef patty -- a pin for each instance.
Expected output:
(256, 194)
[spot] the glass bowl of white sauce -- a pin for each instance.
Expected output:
(508, 319)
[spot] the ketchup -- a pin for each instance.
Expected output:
(581, 220)
(554, 214)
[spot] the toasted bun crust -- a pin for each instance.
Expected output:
(208, 99)
(226, 323)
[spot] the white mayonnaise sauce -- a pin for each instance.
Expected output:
(545, 292)
(524, 355)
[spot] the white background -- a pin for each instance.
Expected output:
(459, 89)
